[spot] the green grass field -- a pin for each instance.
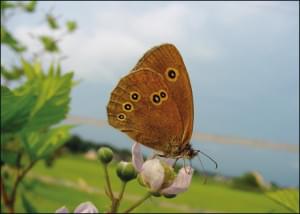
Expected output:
(73, 180)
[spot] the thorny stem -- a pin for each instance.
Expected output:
(138, 203)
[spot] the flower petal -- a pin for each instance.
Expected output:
(169, 161)
(137, 157)
(181, 182)
(62, 210)
(153, 174)
(86, 207)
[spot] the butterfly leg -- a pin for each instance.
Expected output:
(174, 164)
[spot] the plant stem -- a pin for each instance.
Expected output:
(138, 203)
(5, 196)
(16, 184)
(118, 200)
(108, 182)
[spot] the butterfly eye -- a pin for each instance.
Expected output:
(155, 99)
(135, 96)
(128, 107)
(172, 74)
(121, 116)
(163, 94)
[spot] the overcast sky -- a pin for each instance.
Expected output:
(242, 58)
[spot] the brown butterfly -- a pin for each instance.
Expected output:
(153, 104)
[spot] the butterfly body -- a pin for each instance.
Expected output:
(153, 104)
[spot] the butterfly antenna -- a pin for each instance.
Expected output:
(215, 162)
(205, 175)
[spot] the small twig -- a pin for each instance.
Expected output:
(111, 195)
(116, 204)
(19, 178)
(5, 196)
(138, 203)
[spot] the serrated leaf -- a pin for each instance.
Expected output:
(41, 144)
(288, 198)
(52, 93)
(71, 26)
(8, 39)
(15, 110)
(52, 103)
(52, 21)
(49, 43)
(29, 208)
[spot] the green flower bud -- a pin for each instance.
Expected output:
(105, 155)
(169, 195)
(126, 171)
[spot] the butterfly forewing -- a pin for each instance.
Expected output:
(165, 59)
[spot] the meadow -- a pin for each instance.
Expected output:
(74, 179)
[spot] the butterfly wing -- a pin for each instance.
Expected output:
(167, 61)
(140, 107)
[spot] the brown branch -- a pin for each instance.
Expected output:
(16, 184)
(5, 196)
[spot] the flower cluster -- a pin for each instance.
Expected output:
(156, 174)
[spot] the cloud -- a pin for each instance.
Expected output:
(118, 40)
(110, 43)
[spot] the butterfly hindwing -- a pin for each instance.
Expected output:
(141, 107)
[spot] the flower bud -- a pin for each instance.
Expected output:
(126, 171)
(105, 155)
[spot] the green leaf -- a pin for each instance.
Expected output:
(52, 21)
(41, 144)
(288, 198)
(30, 7)
(49, 43)
(7, 5)
(52, 92)
(31, 71)
(8, 39)
(71, 26)
(9, 157)
(15, 110)
(53, 102)
(29, 208)
(13, 74)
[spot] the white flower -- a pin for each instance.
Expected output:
(158, 174)
(86, 207)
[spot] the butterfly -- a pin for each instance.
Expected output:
(153, 104)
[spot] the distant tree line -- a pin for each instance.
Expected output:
(78, 145)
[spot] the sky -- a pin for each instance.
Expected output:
(242, 59)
